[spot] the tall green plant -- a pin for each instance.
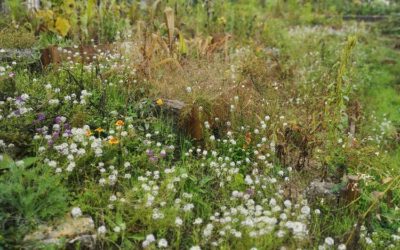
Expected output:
(17, 9)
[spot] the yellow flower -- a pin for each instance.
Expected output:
(113, 141)
(222, 20)
(88, 133)
(99, 130)
(119, 123)
(160, 102)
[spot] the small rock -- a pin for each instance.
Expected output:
(74, 230)
(321, 188)
(26, 55)
(87, 240)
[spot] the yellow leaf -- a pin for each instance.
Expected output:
(91, 5)
(44, 14)
(69, 6)
(387, 180)
(62, 26)
(182, 44)
(47, 17)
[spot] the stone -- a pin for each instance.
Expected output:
(24, 55)
(321, 189)
(73, 231)
(87, 240)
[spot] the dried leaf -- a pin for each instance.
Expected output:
(377, 194)
(248, 138)
(170, 21)
(353, 178)
(387, 180)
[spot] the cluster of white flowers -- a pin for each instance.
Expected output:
(70, 151)
(102, 230)
(76, 212)
(16, 107)
(149, 239)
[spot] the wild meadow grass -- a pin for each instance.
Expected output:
(272, 99)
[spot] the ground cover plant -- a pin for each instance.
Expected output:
(199, 125)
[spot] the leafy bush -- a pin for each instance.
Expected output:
(19, 38)
(28, 196)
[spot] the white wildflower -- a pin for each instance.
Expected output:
(76, 212)
(329, 241)
(162, 243)
(102, 230)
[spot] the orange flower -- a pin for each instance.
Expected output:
(120, 123)
(113, 141)
(248, 138)
(99, 130)
(88, 133)
(160, 102)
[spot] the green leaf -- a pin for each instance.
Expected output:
(29, 161)
(7, 162)
(138, 237)
(205, 180)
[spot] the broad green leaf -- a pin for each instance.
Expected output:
(29, 161)
(7, 162)
(138, 237)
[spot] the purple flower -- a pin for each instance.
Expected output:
(19, 99)
(56, 135)
(153, 159)
(250, 191)
(149, 152)
(67, 126)
(68, 132)
(58, 120)
(41, 117)
(17, 112)
(163, 153)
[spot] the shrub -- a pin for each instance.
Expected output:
(19, 38)
(28, 196)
